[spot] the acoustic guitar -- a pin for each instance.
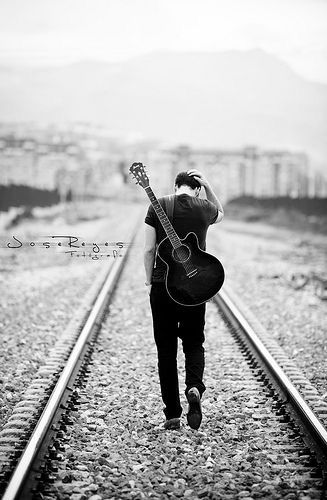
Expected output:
(193, 276)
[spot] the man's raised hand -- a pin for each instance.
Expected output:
(198, 176)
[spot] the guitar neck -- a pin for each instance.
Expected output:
(165, 222)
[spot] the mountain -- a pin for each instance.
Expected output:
(224, 99)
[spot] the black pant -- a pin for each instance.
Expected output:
(170, 321)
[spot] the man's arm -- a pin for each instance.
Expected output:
(209, 192)
(149, 252)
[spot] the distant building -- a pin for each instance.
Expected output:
(248, 171)
(79, 166)
(32, 163)
(83, 160)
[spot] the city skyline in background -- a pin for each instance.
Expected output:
(47, 33)
(245, 79)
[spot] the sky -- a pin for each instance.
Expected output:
(52, 32)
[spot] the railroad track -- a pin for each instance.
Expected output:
(297, 401)
(280, 404)
(30, 436)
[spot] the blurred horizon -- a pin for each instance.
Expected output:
(236, 87)
(227, 99)
(53, 64)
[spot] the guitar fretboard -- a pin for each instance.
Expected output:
(166, 224)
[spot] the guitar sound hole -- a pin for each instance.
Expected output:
(181, 254)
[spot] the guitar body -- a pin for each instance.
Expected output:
(193, 276)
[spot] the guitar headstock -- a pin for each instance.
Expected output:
(139, 173)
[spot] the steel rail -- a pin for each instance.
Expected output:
(232, 313)
(24, 465)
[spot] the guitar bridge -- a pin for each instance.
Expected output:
(192, 273)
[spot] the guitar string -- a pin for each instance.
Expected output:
(169, 229)
(180, 250)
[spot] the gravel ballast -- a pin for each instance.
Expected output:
(42, 289)
(260, 261)
(118, 448)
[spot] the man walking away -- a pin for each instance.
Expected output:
(170, 319)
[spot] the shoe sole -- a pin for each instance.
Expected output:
(194, 415)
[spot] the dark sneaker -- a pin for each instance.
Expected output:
(194, 415)
(172, 424)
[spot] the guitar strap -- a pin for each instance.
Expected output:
(169, 203)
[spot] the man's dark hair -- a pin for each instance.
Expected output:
(183, 179)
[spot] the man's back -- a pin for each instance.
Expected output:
(191, 214)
